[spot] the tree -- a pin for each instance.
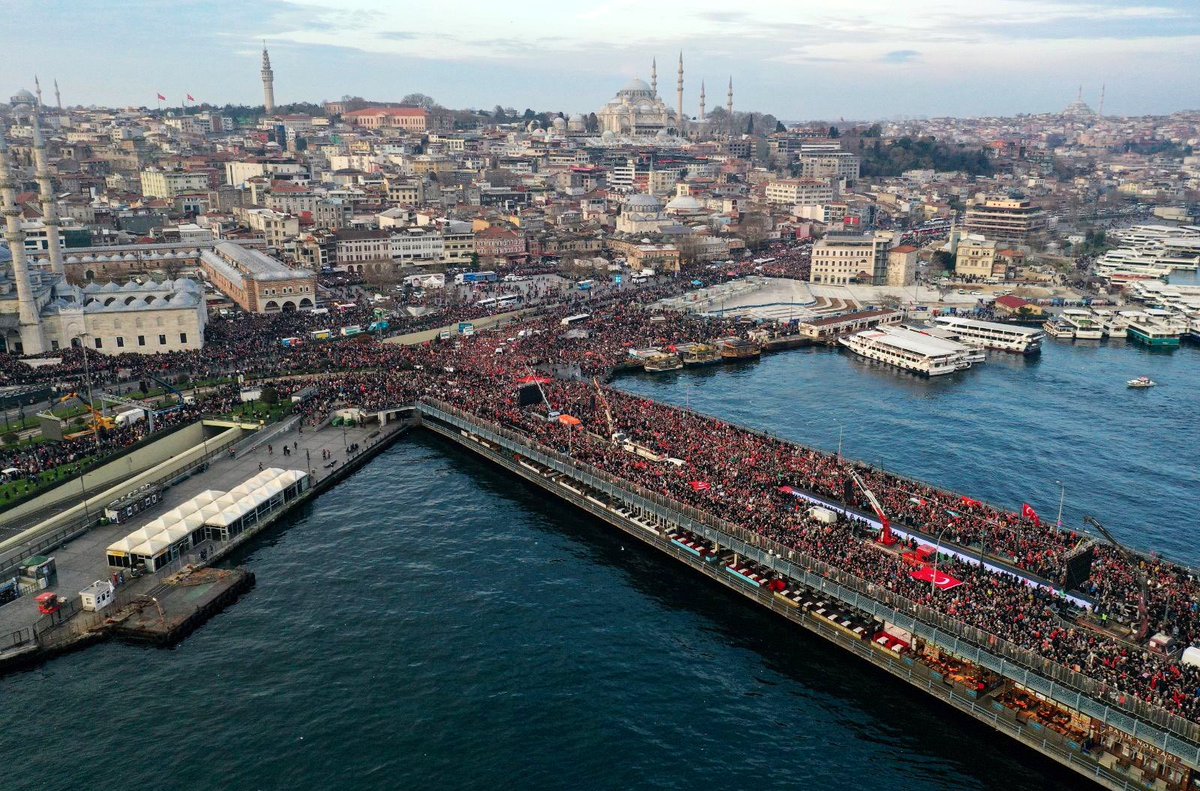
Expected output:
(419, 100)
(270, 396)
(834, 132)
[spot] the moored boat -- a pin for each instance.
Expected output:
(663, 362)
(739, 349)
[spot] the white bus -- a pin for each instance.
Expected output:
(569, 320)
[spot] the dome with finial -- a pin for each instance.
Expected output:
(23, 96)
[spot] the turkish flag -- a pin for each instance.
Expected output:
(190, 98)
(161, 98)
(1030, 514)
(940, 579)
(700, 486)
(967, 501)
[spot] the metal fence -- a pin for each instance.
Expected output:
(1144, 721)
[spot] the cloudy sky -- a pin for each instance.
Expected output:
(797, 59)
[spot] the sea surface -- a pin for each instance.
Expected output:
(431, 622)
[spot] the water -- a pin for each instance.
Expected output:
(432, 621)
(1005, 431)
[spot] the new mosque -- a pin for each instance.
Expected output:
(41, 312)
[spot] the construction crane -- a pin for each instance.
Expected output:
(885, 536)
(1134, 563)
(142, 405)
(99, 419)
(170, 389)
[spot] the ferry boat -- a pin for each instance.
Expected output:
(663, 362)
(1057, 329)
(698, 354)
(1114, 323)
(908, 350)
(1154, 332)
(1083, 325)
(1141, 383)
(739, 349)
(993, 335)
(975, 354)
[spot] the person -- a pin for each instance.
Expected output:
(260, 467)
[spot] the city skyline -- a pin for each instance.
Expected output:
(796, 61)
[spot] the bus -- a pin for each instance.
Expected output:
(344, 306)
(496, 303)
(569, 320)
(351, 330)
(288, 343)
(321, 335)
(470, 278)
(585, 285)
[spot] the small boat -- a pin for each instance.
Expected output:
(1141, 382)
(663, 362)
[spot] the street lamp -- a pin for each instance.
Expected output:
(1062, 496)
(936, 550)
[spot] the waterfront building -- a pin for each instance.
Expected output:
(975, 258)
(1009, 220)
(257, 282)
(843, 257)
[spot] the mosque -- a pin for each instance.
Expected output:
(638, 111)
(41, 312)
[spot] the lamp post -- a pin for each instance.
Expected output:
(1062, 496)
(87, 374)
(936, 550)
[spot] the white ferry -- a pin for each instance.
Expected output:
(909, 350)
(1084, 326)
(993, 335)
(1058, 329)
(975, 353)
(1114, 323)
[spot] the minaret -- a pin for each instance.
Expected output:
(654, 76)
(268, 78)
(57, 95)
(31, 331)
(729, 106)
(1100, 112)
(701, 101)
(37, 88)
(679, 119)
(46, 194)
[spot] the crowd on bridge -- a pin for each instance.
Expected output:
(728, 471)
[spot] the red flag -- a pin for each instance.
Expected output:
(967, 501)
(701, 486)
(161, 98)
(940, 579)
(1030, 514)
(190, 98)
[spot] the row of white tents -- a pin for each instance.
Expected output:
(210, 515)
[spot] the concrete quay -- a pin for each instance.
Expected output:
(28, 636)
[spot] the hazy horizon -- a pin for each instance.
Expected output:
(798, 61)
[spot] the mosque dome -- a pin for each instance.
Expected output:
(608, 134)
(636, 86)
(684, 203)
(559, 124)
(577, 123)
(23, 96)
(643, 203)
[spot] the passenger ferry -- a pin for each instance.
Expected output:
(1083, 325)
(993, 335)
(908, 350)
(975, 354)
(663, 362)
(1154, 331)
(1059, 329)
(1114, 323)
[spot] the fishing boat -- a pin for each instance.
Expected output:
(663, 362)
(1141, 383)
(698, 354)
(739, 349)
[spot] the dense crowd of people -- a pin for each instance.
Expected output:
(725, 470)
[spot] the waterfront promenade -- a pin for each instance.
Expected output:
(82, 561)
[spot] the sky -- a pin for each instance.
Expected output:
(796, 59)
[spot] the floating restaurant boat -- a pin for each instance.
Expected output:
(739, 349)
(1141, 383)
(663, 362)
(698, 354)
(909, 350)
(994, 335)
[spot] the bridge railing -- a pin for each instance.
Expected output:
(1141, 719)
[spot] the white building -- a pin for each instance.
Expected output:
(843, 257)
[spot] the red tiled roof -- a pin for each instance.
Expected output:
(1012, 303)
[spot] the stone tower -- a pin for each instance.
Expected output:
(268, 78)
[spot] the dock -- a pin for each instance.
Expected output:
(172, 610)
